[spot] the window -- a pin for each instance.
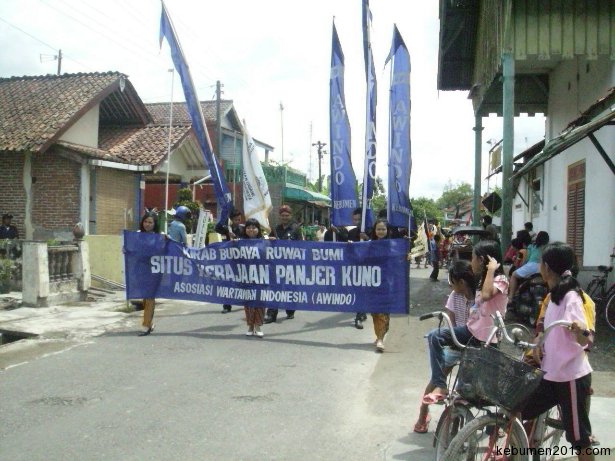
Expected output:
(575, 218)
(535, 194)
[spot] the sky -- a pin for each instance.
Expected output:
(269, 53)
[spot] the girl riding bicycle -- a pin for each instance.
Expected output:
(463, 282)
(490, 298)
(567, 378)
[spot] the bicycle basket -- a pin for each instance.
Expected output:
(487, 374)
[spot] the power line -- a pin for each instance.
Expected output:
(54, 48)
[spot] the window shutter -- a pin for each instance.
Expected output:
(575, 220)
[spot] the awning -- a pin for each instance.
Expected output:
(300, 194)
(568, 139)
(527, 155)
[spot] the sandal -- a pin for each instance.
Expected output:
(422, 426)
(434, 397)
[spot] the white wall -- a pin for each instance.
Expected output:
(85, 130)
(568, 97)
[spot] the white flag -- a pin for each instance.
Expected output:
(256, 198)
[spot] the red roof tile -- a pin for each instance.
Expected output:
(34, 111)
(160, 111)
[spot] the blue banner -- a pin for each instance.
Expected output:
(314, 276)
(369, 169)
(223, 196)
(343, 190)
(400, 155)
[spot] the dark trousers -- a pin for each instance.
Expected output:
(273, 313)
(435, 271)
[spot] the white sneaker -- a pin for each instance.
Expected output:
(258, 332)
(249, 333)
(380, 345)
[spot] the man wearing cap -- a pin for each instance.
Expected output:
(7, 230)
(285, 230)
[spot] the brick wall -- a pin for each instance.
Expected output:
(55, 194)
(115, 201)
(12, 192)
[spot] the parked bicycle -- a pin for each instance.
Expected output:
(507, 384)
(458, 411)
(603, 297)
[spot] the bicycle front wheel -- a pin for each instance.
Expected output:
(453, 419)
(609, 312)
(487, 438)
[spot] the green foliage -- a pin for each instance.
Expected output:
(454, 196)
(6, 269)
(184, 198)
(423, 206)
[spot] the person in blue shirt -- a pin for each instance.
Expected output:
(177, 229)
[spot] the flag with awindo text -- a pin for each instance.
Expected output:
(343, 181)
(400, 155)
(223, 196)
(256, 197)
(369, 170)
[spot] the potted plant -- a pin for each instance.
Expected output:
(6, 273)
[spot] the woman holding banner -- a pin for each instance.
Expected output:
(254, 315)
(381, 321)
(149, 223)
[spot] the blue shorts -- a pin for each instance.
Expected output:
(527, 270)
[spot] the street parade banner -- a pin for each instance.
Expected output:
(369, 169)
(343, 181)
(223, 196)
(400, 159)
(256, 197)
(303, 275)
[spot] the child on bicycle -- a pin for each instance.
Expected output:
(490, 298)
(463, 282)
(567, 379)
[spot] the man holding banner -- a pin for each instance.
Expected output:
(286, 230)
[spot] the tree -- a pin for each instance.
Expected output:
(455, 196)
(423, 206)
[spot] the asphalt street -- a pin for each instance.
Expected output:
(198, 389)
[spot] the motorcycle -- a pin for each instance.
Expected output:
(526, 303)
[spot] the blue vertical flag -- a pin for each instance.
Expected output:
(343, 181)
(369, 171)
(223, 196)
(400, 155)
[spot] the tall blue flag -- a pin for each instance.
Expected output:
(369, 170)
(343, 181)
(400, 155)
(223, 196)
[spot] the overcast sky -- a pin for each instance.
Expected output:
(265, 53)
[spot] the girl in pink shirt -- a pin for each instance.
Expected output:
(567, 377)
(490, 297)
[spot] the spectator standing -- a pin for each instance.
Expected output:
(286, 230)
(434, 251)
(177, 228)
(7, 230)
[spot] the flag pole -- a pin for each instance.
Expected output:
(166, 188)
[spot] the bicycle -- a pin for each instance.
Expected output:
(492, 435)
(597, 291)
(458, 411)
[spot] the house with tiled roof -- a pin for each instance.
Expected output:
(76, 147)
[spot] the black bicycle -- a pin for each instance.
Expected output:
(603, 297)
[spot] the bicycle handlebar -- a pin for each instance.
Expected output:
(444, 316)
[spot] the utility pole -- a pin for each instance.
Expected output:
(59, 62)
(321, 153)
(282, 127)
(218, 118)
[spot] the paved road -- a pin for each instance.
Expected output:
(198, 389)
